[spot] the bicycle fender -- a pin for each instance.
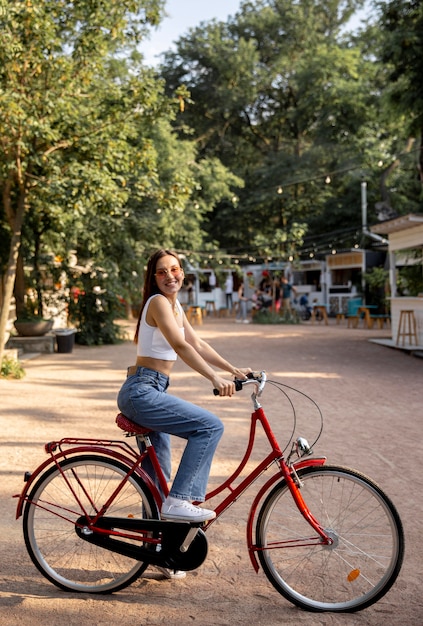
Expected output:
(266, 487)
(30, 478)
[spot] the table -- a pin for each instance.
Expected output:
(366, 311)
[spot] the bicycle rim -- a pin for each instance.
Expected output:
(52, 510)
(368, 541)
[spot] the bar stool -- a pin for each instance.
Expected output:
(321, 308)
(407, 327)
(194, 315)
(210, 307)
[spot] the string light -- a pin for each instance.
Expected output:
(343, 170)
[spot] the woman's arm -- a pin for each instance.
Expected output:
(210, 355)
(160, 311)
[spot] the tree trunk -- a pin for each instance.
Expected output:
(19, 288)
(16, 224)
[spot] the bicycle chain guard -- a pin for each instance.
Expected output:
(173, 552)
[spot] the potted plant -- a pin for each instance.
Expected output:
(34, 327)
(30, 323)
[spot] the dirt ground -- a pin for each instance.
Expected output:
(371, 400)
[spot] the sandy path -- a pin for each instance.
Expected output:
(371, 398)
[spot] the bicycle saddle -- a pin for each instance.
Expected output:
(131, 427)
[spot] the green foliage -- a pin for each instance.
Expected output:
(94, 307)
(377, 282)
(410, 280)
(295, 105)
(11, 368)
(401, 23)
(90, 166)
(67, 120)
(270, 317)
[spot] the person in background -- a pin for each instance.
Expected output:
(287, 290)
(305, 307)
(242, 315)
(190, 290)
(229, 287)
(162, 334)
(277, 294)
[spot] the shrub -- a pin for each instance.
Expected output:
(11, 368)
(269, 317)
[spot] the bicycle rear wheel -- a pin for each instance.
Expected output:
(51, 513)
(368, 541)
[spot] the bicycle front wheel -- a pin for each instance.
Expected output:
(368, 541)
(52, 511)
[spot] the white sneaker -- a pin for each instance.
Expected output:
(171, 574)
(183, 511)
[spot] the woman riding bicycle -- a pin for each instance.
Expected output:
(163, 333)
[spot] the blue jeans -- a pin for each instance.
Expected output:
(143, 399)
(242, 311)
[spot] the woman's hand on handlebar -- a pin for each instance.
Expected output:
(222, 387)
(241, 372)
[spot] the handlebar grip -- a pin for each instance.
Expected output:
(238, 386)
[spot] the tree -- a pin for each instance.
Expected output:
(91, 167)
(295, 105)
(280, 98)
(402, 38)
(57, 102)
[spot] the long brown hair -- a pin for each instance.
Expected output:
(150, 283)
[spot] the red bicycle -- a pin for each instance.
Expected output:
(327, 537)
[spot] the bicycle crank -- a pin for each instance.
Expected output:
(180, 545)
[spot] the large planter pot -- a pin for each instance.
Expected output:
(33, 328)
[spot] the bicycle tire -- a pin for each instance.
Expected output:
(49, 519)
(365, 558)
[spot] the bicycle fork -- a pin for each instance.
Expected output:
(289, 474)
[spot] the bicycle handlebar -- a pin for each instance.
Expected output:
(252, 377)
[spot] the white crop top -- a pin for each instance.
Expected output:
(151, 341)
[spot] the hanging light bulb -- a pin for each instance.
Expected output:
(280, 190)
(327, 180)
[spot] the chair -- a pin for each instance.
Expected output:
(352, 311)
